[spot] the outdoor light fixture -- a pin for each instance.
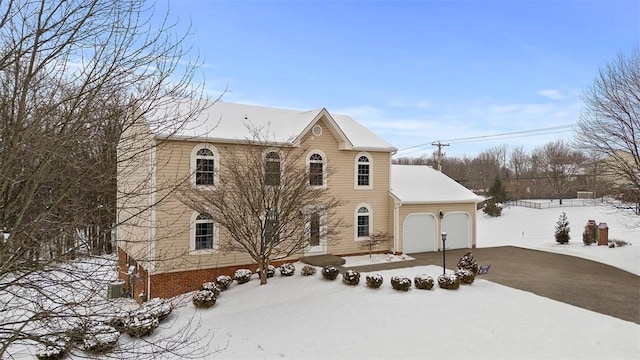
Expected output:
(441, 216)
(444, 239)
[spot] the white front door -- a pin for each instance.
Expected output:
(317, 243)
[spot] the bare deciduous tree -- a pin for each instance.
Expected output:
(610, 122)
(559, 165)
(268, 213)
(68, 73)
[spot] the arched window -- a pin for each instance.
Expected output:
(316, 170)
(363, 171)
(363, 222)
(205, 167)
(203, 232)
(272, 169)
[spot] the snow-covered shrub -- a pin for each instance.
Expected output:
(351, 277)
(223, 282)
(204, 298)
(211, 286)
(330, 272)
(374, 281)
(271, 271)
(160, 308)
(401, 282)
(423, 281)
(117, 320)
(562, 229)
(448, 281)
(140, 322)
(492, 209)
(618, 243)
(465, 276)
(54, 348)
(308, 270)
(468, 262)
(587, 237)
(100, 338)
(242, 275)
(287, 269)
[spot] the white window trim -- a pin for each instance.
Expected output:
(324, 167)
(193, 162)
(192, 237)
(355, 221)
(355, 170)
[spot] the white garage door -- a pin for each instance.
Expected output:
(419, 233)
(458, 229)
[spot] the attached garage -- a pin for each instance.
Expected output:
(419, 233)
(426, 203)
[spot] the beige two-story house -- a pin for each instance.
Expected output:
(169, 249)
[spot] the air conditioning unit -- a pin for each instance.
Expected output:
(115, 289)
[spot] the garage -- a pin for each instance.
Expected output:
(419, 233)
(457, 225)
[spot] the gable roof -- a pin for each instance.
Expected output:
(228, 122)
(421, 184)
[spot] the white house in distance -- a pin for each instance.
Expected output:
(173, 250)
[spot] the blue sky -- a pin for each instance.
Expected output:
(415, 71)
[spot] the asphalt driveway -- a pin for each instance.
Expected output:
(572, 280)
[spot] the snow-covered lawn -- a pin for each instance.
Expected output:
(309, 317)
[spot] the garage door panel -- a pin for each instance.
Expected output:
(419, 233)
(457, 226)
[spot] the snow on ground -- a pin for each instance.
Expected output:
(309, 317)
(352, 261)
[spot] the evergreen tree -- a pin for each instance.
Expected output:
(562, 229)
(492, 209)
(497, 191)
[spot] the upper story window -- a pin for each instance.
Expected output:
(203, 232)
(272, 168)
(363, 221)
(316, 170)
(204, 165)
(363, 171)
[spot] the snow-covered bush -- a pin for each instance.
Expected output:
(401, 282)
(211, 286)
(271, 271)
(204, 298)
(374, 281)
(223, 282)
(308, 270)
(617, 243)
(287, 269)
(117, 320)
(562, 229)
(54, 348)
(351, 277)
(423, 281)
(160, 308)
(468, 262)
(140, 322)
(242, 275)
(100, 338)
(465, 276)
(330, 272)
(448, 281)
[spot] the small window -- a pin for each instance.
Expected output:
(204, 232)
(205, 167)
(363, 221)
(314, 229)
(272, 169)
(364, 171)
(316, 170)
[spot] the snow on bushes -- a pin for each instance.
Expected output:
(54, 348)
(401, 282)
(448, 281)
(242, 275)
(374, 281)
(204, 298)
(271, 271)
(287, 269)
(468, 262)
(140, 322)
(211, 286)
(423, 281)
(160, 308)
(351, 277)
(223, 282)
(308, 270)
(330, 272)
(100, 338)
(465, 276)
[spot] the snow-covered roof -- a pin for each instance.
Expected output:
(420, 184)
(231, 122)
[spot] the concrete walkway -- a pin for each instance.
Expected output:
(584, 283)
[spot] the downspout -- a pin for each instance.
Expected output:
(396, 226)
(152, 213)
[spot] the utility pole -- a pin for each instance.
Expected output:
(439, 154)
